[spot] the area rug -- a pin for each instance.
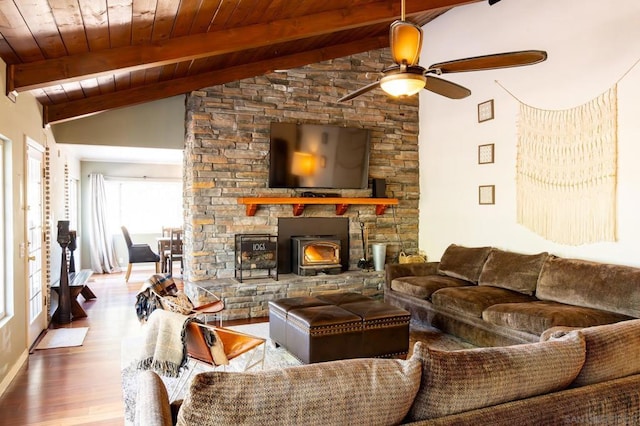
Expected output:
(63, 338)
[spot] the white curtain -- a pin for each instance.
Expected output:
(103, 254)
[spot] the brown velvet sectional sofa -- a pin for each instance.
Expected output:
(545, 359)
(589, 376)
(493, 297)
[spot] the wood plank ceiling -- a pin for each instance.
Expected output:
(80, 57)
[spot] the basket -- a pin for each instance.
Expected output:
(414, 258)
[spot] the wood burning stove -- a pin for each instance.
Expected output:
(326, 228)
(313, 254)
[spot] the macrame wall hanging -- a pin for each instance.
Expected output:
(566, 171)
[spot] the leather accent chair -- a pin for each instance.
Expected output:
(232, 343)
(138, 253)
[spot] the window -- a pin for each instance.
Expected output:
(143, 206)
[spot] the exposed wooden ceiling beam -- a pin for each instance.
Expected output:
(41, 74)
(86, 106)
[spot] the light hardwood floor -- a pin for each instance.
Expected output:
(80, 385)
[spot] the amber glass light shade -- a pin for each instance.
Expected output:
(405, 40)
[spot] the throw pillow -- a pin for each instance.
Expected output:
(513, 271)
(463, 262)
(179, 303)
(353, 391)
(612, 351)
(216, 346)
(458, 381)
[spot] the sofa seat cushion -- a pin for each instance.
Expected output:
(463, 262)
(612, 351)
(591, 284)
(424, 286)
(536, 317)
(458, 381)
(513, 271)
(355, 391)
(474, 300)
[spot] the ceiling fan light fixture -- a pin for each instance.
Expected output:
(403, 84)
(405, 41)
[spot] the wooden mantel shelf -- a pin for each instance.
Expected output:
(298, 203)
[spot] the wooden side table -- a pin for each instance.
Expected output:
(77, 285)
(76, 309)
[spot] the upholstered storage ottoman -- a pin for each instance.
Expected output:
(385, 328)
(323, 333)
(279, 310)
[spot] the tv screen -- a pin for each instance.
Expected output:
(318, 156)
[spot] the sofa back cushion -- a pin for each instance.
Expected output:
(513, 271)
(612, 351)
(353, 391)
(463, 262)
(614, 288)
(458, 381)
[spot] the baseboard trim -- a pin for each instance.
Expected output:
(13, 372)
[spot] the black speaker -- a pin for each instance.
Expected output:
(63, 232)
(379, 188)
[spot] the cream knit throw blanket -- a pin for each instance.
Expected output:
(566, 171)
(164, 349)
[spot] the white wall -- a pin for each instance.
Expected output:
(591, 44)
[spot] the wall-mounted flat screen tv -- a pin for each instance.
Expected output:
(318, 156)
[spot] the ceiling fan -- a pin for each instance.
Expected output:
(406, 77)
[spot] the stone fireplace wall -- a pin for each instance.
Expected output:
(227, 156)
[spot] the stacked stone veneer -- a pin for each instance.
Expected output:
(227, 156)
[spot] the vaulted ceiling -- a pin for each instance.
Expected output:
(80, 57)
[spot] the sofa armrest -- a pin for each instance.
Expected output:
(152, 401)
(396, 270)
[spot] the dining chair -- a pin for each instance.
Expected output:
(174, 251)
(138, 253)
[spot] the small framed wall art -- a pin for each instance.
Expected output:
(485, 153)
(485, 111)
(487, 194)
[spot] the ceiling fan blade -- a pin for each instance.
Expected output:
(446, 88)
(360, 91)
(488, 62)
